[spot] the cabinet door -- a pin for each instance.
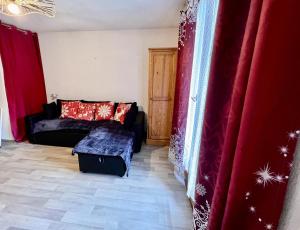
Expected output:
(162, 74)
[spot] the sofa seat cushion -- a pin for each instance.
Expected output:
(71, 124)
(108, 141)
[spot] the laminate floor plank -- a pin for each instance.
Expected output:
(41, 188)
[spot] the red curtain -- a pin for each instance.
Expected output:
(184, 73)
(23, 76)
(252, 116)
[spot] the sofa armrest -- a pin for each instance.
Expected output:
(140, 118)
(30, 121)
(139, 130)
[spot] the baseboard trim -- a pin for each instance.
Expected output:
(158, 142)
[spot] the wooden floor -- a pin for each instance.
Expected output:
(42, 188)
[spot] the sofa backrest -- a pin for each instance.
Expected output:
(130, 116)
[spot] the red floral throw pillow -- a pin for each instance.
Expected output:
(121, 111)
(69, 109)
(86, 111)
(104, 111)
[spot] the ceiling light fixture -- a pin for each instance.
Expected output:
(24, 7)
(13, 8)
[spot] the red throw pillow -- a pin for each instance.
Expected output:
(104, 111)
(121, 111)
(69, 109)
(86, 111)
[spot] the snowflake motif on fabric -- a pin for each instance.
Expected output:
(86, 111)
(269, 226)
(64, 111)
(190, 13)
(266, 176)
(279, 178)
(187, 16)
(104, 111)
(252, 209)
(69, 109)
(293, 135)
(201, 217)
(182, 33)
(201, 190)
(176, 150)
(284, 150)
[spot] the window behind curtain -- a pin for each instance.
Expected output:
(206, 20)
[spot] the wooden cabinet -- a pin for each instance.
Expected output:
(162, 76)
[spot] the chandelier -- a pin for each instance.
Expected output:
(24, 7)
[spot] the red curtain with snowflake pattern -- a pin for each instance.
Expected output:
(183, 79)
(23, 76)
(252, 116)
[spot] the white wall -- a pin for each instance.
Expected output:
(6, 130)
(101, 65)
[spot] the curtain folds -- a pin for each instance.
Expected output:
(251, 122)
(23, 76)
(181, 100)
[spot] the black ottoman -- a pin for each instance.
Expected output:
(106, 151)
